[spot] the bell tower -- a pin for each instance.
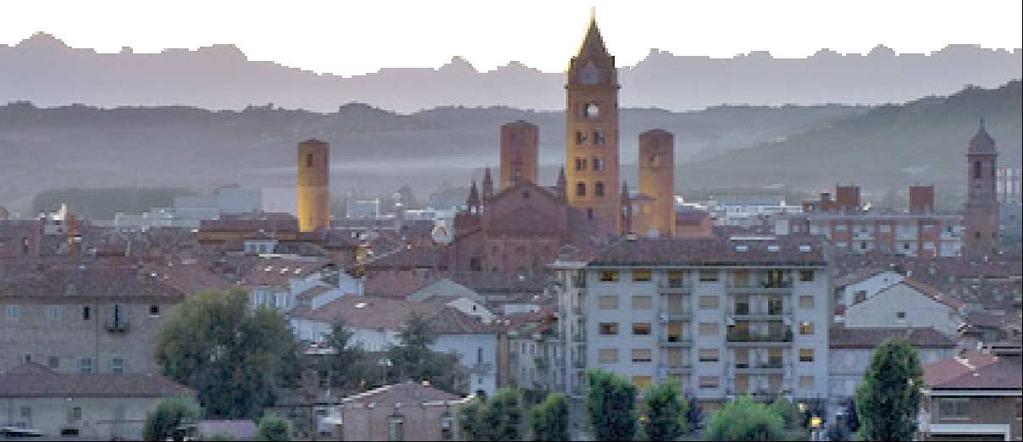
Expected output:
(591, 145)
(980, 216)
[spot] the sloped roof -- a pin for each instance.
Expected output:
(643, 251)
(407, 393)
(974, 371)
(871, 337)
(32, 380)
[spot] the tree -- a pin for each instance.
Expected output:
(170, 414)
(888, 400)
(498, 418)
(347, 367)
(694, 414)
(665, 412)
(789, 412)
(852, 418)
(234, 356)
(550, 419)
(414, 360)
(274, 428)
(744, 419)
(611, 403)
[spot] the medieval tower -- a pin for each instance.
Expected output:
(657, 181)
(313, 190)
(981, 211)
(520, 153)
(591, 145)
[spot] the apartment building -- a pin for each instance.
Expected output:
(972, 396)
(722, 316)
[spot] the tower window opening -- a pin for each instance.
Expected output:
(598, 189)
(309, 160)
(598, 164)
(580, 164)
(580, 138)
(598, 138)
(591, 110)
(580, 189)
(977, 170)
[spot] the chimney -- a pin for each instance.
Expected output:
(847, 198)
(826, 204)
(921, 199)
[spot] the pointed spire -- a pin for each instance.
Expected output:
(593, 44)
(982, 141)
(474, 197)
(561, 182)
(488, 185)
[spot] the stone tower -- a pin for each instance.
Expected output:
(520, 153)
(981, 211)
(657, 181)
(591, 145)
(313, 190)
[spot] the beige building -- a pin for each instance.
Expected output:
(408, 411)
(656, 182)
(313, 192)
(84, 317)
(96, 406)
(973, 396)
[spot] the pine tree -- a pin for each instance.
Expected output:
(888, 400)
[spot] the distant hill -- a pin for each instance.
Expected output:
(372, 150)
(44, 70)
(888, 147)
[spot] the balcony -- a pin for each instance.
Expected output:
(761, 315)
(782, 287)
(117, 326)
(771, 367)
(673, 369)
(669, 287)
(676, 341)
(747, 339)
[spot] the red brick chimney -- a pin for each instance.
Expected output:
(921, 199)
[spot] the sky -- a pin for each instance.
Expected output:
(356, 37)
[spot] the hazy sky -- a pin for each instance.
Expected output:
(354, 37)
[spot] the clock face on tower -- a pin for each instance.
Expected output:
(589, 74)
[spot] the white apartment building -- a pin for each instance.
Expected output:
(722, 316)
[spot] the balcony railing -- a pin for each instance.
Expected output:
(745, 336)
(118, 326)
(676, 341)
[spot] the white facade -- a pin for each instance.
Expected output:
(904, 306)
(868, 287)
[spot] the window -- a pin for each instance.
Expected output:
(479, 354)
(806, 275)
(598, 138)
(598, 164)
(884, 228)
(709, 329)
(900, 315)
(806, 382)
(308, 160)
(642, 355)
(580, 164)
(708, 275)
(75, 414)
(53, 312)
(580, 189)
(954, 408)
(641, 328)
(607, 356)
(806, 301)
(641, 275)
(580, 138)
(53, 362)
(977, 173)
(709, 302)
(805, 328)
(85, 365)
(591, 110)
(154, 310)
(708, 382)
(608, 276)
(859, 296)
(806, 355)
(609, 328)
(447, 427)
(117, 366)
(708, 355)
(607, 302)
(598, 189)
(12, 312)
(86, 313)
(395, 428)
(642, 302)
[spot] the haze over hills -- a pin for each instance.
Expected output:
(45, 71)
(886, 148)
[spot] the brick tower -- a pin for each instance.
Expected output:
(591, 146)
(520, 153)
(980, 216)
(657, 181)
(313, 190)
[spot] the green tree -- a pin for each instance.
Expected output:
(274, 428)
(413, 359)
(611, 404)
(347, 369)
(789, 412)
(550, 419)
(234, 356)
(665, 411)
(169, 414)
(744, 419)
(498, 418)
(888, 399)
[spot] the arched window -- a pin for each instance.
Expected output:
(976, 170)
(598, 189)
(591, 110)
(580, 189)
(308, 160)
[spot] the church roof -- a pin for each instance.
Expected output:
(593, 44)
(982, 141)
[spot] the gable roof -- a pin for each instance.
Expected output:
(974, 371)
(32, 380)
(921, 288)
(407, 393)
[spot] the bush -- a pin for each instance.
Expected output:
(746, 420)
(550, 419)
(162, 423)
(274, 428)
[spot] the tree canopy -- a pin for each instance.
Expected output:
(888, 400)
(499, 418)
(745, 419)
(233, 355)
(550, 419)
(413, 359)
(611, 403)
(169, 414)
(665, 411)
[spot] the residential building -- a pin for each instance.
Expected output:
(973, 396)
(856, 287)
(907, 304)
(397, 412)
(724, 316)
(90, 406)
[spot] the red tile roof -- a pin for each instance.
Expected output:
(408, 393)
(974, 371)
(34, 381)
(641, 251)
(868, 338)
(367, 312)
